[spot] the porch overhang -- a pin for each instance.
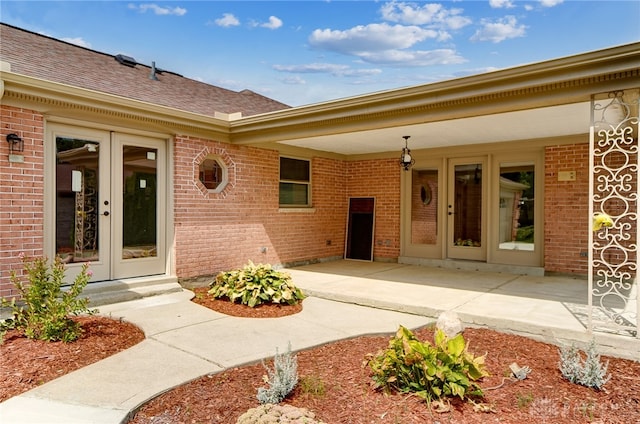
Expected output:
(538, 101)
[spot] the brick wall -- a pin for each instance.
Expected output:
(21, 193)
(216, 232)
(566, 209)
(220, 231)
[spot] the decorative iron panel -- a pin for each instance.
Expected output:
(614, 194)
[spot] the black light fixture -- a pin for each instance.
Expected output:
(16, 144)
(406, 161)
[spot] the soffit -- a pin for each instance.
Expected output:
(556, 121)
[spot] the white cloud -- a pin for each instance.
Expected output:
(78, 41)
(159, 10)
(500, 30)
(414, 58)
(274, 23)
(326, 68)
(293, 80)
(498, 4)
(550, 3)
(428, 14)
(227, 20)
(372, 37)
(385, 44)
(312, 68)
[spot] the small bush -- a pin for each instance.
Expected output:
(254, 285)
(590, 373)
(312, 385)
(46, 313)
(282, 379)
(429, 371)
(284, 414)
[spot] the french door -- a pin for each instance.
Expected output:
(466, 206)
(107, 202)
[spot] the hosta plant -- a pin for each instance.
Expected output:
(45, 309)
(432, 372)
(254, 285)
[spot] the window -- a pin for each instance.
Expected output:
(212, 174)
(294, 182)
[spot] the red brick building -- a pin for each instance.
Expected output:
(153, 177)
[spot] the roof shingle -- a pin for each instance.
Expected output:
(43, 57)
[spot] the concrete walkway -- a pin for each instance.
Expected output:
(347, 299)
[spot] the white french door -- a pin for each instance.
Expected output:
(106, 194)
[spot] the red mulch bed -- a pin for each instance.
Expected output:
(29, 363)
(336, 386)
(334, 383)
(270, 310)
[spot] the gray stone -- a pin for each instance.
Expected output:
(449, 323)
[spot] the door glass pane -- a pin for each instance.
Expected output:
(76, 200)
(424, 207)
(516, 207)
(139, 191)
(467, 208)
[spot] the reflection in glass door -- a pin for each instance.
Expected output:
(139, 203)
(466, 210)
(81, 227)
(516, 214)
(139, 206)
(424, 206)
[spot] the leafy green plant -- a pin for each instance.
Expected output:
(254, 285)
(282, 379)
(45, 311)
(430, 371)
(312, 385)
(590, 373)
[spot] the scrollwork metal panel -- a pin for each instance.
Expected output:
(614, 194)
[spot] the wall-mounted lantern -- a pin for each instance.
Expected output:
(16, 144)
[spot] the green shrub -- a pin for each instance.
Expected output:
(312, 385)
(44, 313)
(254, 285)
(429, 371)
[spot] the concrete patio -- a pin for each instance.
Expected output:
(553, 309)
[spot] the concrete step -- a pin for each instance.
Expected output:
(116, 291)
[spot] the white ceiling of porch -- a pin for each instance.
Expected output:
(555, 121)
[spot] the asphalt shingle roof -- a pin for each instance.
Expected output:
(43, 57)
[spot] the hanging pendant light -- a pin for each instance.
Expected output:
(406, 161)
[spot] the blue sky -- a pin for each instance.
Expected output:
(302, 52)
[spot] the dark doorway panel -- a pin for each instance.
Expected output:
(360, 228)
